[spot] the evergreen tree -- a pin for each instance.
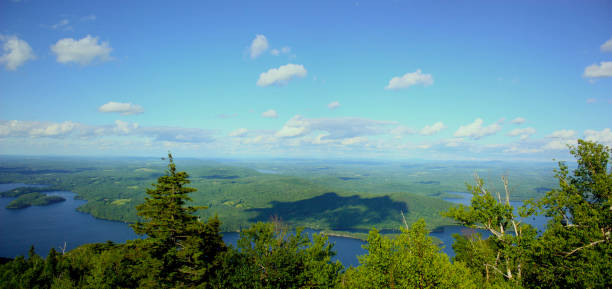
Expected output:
(187, 246)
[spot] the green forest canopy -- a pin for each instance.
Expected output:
(182, 251)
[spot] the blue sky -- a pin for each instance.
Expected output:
(378, 79)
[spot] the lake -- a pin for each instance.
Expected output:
(50, 226)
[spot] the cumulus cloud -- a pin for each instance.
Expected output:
(121, 107)
(564, 133)
(607, 46)
(258, 46)
(604, 136)
(432, 129)
(270, 113)
(518, 120)
(16, 52)
(281, 75)
(604, 69)
(561, 139)
(524, 133)
(410, 79)
(239, 132)
(333, 105)
(559, 144)
(475, 130)
(82, 51)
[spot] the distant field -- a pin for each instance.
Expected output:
(340, 196)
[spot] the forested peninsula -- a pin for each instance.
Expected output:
(182, 250)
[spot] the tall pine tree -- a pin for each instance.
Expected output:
(187, 246)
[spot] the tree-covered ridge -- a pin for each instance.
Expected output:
(183, 251)
(242, 193)
(33, 199)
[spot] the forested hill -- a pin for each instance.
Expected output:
(181, 250)
(330, 195)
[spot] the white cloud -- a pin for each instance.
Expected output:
(67, 129)
(432, 129)
(54, 129)
(475, 130)
(453, 142)
(518, 120)
(124, 127)
(17, 128)
(410, 79)
(561, 139)
(63, 24)
(270, 113)
(121, 107)
(258, 46)
(401, 131)
(564, 133)
(520, 150)
(296, 126)
(523, 132)
(354, 140)
(604, 69)
(336, 128)
(16, 52)
(281, 75)
(604, 136)
(591, 100)
(607, 46)
(82, 51)
(239, 132)
(333, 105)
(283, 50)
(559, 144)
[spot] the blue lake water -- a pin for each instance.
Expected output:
(50, 226)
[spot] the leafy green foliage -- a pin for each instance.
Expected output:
(181, 251)
(506, 251)
(33, 199)
(411, 260)
(575, 250)
(269, 256)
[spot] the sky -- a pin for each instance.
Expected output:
(434, 80)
